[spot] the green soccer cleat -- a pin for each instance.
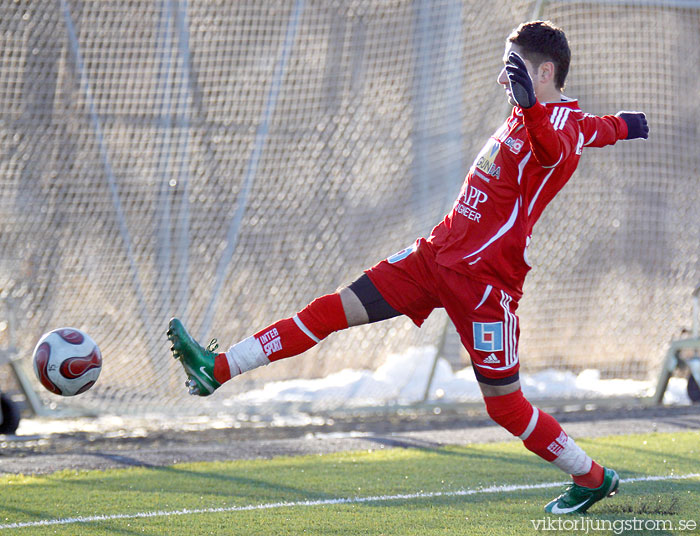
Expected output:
(577, 499)
(197, 361)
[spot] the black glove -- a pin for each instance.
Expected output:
(520, 82)
(637, 126)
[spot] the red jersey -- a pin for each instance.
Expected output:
(525, 163)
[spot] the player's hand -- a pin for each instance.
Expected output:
(520, 82)
(637, 126)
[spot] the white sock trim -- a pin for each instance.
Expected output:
(573, 460)
(532, 424)
(246, 355)
(306, 330)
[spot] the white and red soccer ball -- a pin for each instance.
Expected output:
(67, 361)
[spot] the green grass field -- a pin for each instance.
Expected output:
(479, 489)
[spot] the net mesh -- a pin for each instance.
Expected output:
(227, 162)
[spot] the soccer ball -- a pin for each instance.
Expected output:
(67, 361)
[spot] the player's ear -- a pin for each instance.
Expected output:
(545, 72)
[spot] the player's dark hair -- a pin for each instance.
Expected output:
(542, 41)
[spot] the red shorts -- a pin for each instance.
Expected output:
(414, 284)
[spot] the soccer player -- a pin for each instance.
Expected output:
(473, 264)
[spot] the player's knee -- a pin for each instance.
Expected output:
(355, 313)
(512, 411)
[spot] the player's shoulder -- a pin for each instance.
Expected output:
(565, 112)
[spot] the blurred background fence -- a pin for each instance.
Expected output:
(227, 162)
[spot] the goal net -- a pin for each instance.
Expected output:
(227, 162)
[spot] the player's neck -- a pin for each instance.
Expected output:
(551, 96)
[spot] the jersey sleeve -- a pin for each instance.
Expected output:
(553, 134)
(602, 131)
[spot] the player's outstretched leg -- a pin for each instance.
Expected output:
(207, 370)
(197, 361)
(577, 499)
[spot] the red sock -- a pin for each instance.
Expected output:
(540, 432)
(593, 478)
(292, 336)
(547, 439)
(512, 411)
(543, 435)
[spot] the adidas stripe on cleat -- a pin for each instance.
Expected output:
(197, 361)
(577, 499)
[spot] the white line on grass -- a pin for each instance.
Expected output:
(322, 502)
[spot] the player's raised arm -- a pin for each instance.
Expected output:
(609, 129)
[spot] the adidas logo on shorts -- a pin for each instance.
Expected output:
(492, 360)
